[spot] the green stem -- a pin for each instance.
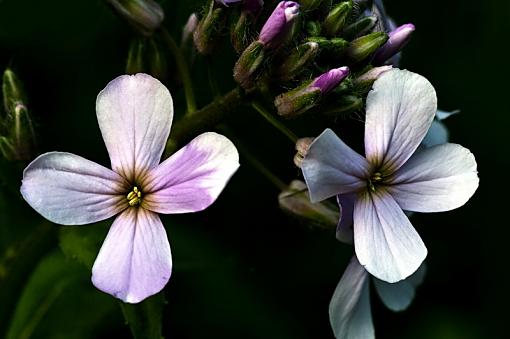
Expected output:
(183, 69)
(203, 119)
(256, 163)
(273, 121)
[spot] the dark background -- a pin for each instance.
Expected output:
(242, 268)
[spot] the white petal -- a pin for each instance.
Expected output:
(70, 190)
(385, 241)
(398, 296)
(135, 114)
(435, 179)
(330, 167)
(349, 309)
(135, 260)
(400, 109)
(193, 178)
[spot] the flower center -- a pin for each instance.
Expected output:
(134, 197)
(376, 178)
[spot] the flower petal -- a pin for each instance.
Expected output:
(135, 260)
(191, 179)
(344, 229)
(400, 110)
(385, 241)
(330, 167)
(70, 190)
(440, 178)
(398, 296)
(135, 114)
(349, 309)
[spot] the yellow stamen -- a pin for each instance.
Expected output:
(134, 197)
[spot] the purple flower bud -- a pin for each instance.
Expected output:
(278, 25)
(372, 75)
(329, 80)
(398, 38)
(144, 15)
(189, 28)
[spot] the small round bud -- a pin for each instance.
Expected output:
(279, 24)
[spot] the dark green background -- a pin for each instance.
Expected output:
(242, 268)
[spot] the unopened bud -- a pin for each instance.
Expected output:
(136, 57)
(337, 18)
(19, 141)
(302, 146)
(310, 5)
(298, 60)
(364, 46)
(296, 202)
(248, 63)
(334, 47)
(144, 15)
(307, 96)
(209, 28)
(368, 78)
(398, 38)
(157, 61)
(239, 34)
(313, 28)
(360, 27)
(278, 26)
(189, 28)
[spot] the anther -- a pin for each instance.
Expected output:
(134, 197)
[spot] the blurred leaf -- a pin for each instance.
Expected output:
(82, 243)
(145, 318)
(59, 302)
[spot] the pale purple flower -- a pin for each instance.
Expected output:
(134, 114)
(350, 313)
(397, 39)
(392, 177)
(278, 25)
(330, 80)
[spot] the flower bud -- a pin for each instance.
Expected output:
(189, 28)
(208, 30)
(313, 28)
(398, 38)
(334, 47)
(239, 33)
(144, 15)
(248, 63)
(19, 141)
(295, 201)
(364, 46)
(302, 146)
(337, 17)
(360, 27)
(298, 60)
(368, 78)
(307, 96)
(136, 57)
(278, 26)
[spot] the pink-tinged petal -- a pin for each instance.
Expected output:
(330, 167)
(386, 243)
(135, 260)
(349, 309)
(344, 229)
(398, 296)
(436, 179)
(135, 114)
(70, 190)
(191, 179)
(400, 110)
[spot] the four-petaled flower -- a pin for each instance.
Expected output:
(134, 114)
(392, 177)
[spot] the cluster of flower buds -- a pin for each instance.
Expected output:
(332, 43)
(17, 135)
